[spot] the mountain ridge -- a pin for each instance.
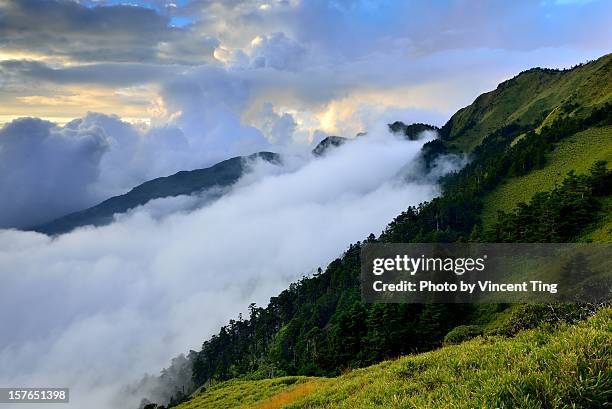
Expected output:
(222, 174)
(532, 97)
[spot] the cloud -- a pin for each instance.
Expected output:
(47, 171)
(68, 29)
(354, 28)
(210, 113)
(324, 63)
(100, 314)
(318, 51)
(276, 51)
(111, 74)
(276, 89)
(278, 128)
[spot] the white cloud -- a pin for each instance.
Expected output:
(276, 51)
(210, 113)
(277, 127)
(48, 171)
(105, 305)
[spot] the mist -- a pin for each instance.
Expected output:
(97, 308)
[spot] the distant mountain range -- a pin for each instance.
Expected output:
(222, 174)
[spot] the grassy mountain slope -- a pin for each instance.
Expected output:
(576, 153)
(243, 394)
(182, 183)
(319, 326)
(569, 366)
(534, 97)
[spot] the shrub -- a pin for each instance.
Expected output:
(462, 333)
(528, 316)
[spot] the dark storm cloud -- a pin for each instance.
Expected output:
(42, 166)
(63, 28)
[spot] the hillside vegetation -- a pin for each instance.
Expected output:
(534, 97)
(601, 230)
(523, 137)
(263, 394)
(577, 153)
(569, 366)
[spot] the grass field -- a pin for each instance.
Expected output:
(261, 394)
(577, 153)
(570, 366)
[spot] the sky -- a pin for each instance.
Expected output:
(322, 62)
(97, 96)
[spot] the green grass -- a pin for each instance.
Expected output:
(533, 97)
(246, 393)
(577, 153)
(554, 369)
(569, 366)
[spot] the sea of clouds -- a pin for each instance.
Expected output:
(97, 308)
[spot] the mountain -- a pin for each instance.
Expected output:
(182, 183)
(533, 124)
(524, 105)
(575, 153)
(411, 131)
(533, 98)
(328, 143)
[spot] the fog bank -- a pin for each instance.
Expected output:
(97, 308)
